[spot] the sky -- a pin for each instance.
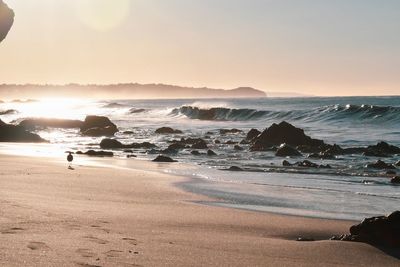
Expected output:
(318, 47)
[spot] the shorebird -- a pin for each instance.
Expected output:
(70, 158)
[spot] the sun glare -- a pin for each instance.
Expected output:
(63, 108)
(102, 15)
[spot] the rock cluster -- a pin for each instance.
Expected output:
(98, 126)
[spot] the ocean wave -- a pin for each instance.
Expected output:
(367, 113)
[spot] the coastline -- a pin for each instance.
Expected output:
(99, 216)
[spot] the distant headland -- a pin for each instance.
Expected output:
(125, 90)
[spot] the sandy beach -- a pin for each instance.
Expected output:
(96, 216)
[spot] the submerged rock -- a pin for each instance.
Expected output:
(50, 123)
(211, 153)
(162, 158)
(167, 130)
(200, 144)
(380, 165)
(380, 231)
(115, 144)
(238, 148)
(287, 151)
(96, 153)
(382, 148)
(281, 133)
(235, 169)
(230, 131)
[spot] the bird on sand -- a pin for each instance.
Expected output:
(70, 158)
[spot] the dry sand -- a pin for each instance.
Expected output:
(96, 216)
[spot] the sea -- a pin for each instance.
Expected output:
(349, 190)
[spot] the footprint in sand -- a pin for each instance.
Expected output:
(86, 253)
(13, 230)
(131, 241)
(96, 240)
(113, 253)
(37, 245)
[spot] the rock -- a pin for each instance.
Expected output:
(230, 131)
(115, 144)
(235, 169)
(128, 132)
(211, 153)
(217, 142)
(397, 163)
(379, 231)
(97, 153)
(131, 156)
(395, 180)
(307, 164)
(97, 131)
(253, 133)
(128, 151)
(238, 148)
(17, 134)
(161, 158)
(382, 148)
(50, 123)
(380, 165)
(286, 163)
(8, 112)
(390, 173)
(284, 133)
(177, 146)
(98, 123)
(195, 153)
(170, 151)
(200, 144)
(167, 130)
(287, 151)
(230, 142)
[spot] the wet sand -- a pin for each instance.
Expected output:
(98, 216)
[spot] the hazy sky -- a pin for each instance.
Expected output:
(323, 47)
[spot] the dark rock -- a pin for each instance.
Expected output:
(230, 142)
(170, 151)
(115, 144)
(395, 180)
(383, 148)
(128, 132)
(380, 165)
(200, 144)
(97, 123)
(307, 164)
(284, 133)
(230, 131)
(177, 146)
(167, 130)
(12, 133)
(285, 151)
(8, 112)
(379, 231)
(235, 169)
(128, 151)
(50, 123)
(195, 153)
(217, 142)
(161, 158)
(131, 156)
(253, 133)
(97, 131)
(211, 153)
(397, 163)
(286, 163)
(97, 153)
(238, 148)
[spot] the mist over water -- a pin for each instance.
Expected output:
(348, 190)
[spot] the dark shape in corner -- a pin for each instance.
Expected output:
(6, 20)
